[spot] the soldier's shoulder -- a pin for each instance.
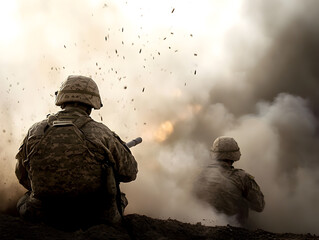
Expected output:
(38, 128)
(98, 127)
(239, 171)
(251, 177)
(243, 173)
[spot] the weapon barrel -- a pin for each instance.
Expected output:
(134, 142)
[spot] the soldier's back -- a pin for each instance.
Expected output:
(221, 188)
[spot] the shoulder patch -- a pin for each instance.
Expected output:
(250, 176)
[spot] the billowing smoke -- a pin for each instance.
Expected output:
(179, 74)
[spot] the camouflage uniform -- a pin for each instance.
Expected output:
(229, 190)
(117, 164)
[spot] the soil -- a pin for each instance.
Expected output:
(136, 227)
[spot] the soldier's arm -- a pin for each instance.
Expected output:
(20, 170)
(125, 164)
(254, 195)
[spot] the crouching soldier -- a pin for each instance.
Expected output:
(229, 190)
(71, 165)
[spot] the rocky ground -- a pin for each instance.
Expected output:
(135, 227)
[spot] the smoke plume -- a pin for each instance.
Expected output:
(178, 74)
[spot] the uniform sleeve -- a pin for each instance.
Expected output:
(254, 195)
(20, 170)
(125, 164)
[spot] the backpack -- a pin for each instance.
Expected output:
(61, 164)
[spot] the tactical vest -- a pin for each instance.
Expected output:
(61, 164)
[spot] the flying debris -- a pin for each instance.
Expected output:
(195, 72)
(173, 10)
(143, 89)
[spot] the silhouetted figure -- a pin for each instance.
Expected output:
(229, 190)
(71, 165)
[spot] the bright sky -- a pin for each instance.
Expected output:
(206, 18)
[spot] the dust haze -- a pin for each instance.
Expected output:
(178, 74)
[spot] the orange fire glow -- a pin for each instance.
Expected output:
(164, 131)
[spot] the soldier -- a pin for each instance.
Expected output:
(71, 165)
(229, 190)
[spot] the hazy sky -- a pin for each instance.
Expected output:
(178, 74)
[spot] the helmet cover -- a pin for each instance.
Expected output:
(226, 148)
(79, 89)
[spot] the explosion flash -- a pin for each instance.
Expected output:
(164, 131)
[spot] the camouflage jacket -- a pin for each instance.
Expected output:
(104, 143)
(229, 190)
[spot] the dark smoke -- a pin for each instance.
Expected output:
(279, 90)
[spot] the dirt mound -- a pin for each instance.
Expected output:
(135, 227)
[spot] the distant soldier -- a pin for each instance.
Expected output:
(229, 190)
(71, 165)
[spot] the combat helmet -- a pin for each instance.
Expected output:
(79, 89)
(226, 148)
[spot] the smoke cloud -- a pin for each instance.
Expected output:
(178, 74)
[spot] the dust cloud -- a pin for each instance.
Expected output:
(179, 79)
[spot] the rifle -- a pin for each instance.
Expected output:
(134, 142)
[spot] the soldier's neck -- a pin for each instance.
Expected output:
(80, 107)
